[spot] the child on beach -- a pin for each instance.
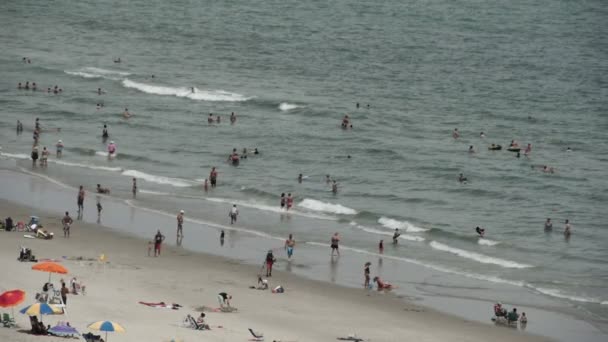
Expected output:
(99, 209)
(150, 244)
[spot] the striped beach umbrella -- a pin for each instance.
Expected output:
(106, 326)
(41, 309)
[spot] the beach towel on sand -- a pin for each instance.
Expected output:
(162, 305)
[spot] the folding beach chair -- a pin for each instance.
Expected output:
(8, 321)
(257, 336)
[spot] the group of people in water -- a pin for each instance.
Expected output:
(34, 87)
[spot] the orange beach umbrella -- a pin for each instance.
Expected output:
(50, 267)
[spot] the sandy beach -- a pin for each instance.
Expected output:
(307, 311)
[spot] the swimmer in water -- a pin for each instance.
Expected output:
(345, 122)
(396, 236)
(357, 105)
(104, 132)
(99, 92)
(34, 86)
(244, 154)
(462, 178)
(334, 187)
(232, 118)
(471, 149)
(528, 150)
(192, 89)
(117, 60)
(482, 135)
(210, 118)
(568, 149)
(455, 134)
(126, 113)
(234, 157)
(548, 225)
(480, 231)
(101, 190)
(218, 119)
(255, 151)
(19, 86)
(327, 179)
(300, 178)
(283, 201)
(567, 228)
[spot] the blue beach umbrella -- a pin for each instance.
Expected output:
(41, 309)
(106, 326)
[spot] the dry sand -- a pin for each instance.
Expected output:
(308, 311)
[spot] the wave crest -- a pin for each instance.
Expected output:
(325, 207)
(198, 95)
(284, 106)
(484, 259)
(402, 225)
(180, 183)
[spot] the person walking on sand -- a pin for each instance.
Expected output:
(290, 243)
(270, 259)
(180, 224)
(366, 275)
(64, 293)
(335, 240)
(213, 177)
(80, 201)
(134, 187)
(234, 213)
(158, 240)
(66, 222)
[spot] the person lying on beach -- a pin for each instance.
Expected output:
(101, 190)
(382, 285)
(278, 289)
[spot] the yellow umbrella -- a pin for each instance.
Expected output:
(106, 326)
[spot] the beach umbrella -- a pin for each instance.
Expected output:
(64, 330)
(50, 267)
(41, 309)
(12, 298)
(106, 326)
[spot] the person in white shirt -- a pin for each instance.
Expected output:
(234, 212)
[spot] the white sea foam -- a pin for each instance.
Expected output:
(86, 166)
(92, 72)
(487, 242)
(385, 233)
(477, 256)
(560, 294)
(288, 106)
(177, 182)
(150, 192)
(402, 225)
(266, 207)
(15, 155)
(325, 207)
(106, 154)
(198, 95)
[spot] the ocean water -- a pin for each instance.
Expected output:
(536, 72)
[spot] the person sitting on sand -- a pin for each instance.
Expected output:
(262, 283)
(499, 311)
(382, 285)
(101, 190)
(201, 322)
(513, 316)
(523, 319)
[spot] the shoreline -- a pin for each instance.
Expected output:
(51, 196)
(241, 241)
(132, 274)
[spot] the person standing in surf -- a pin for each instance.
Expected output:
(290, 243)
(289, 201)
(366, 275)
(104, 132)
(396, 236)
(213, 177)
(548, 225)
(232, 118)
(335, 240)
(234, 213)
(80, 201)
(180, 224)
(283, 201)
(134, 187)
(59, 148)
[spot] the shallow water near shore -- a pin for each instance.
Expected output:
(423, 284)
(534, 72)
